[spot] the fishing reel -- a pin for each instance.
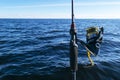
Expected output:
(94, 37)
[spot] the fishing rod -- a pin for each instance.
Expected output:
(73, 47)
(94, 39)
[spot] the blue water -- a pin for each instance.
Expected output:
(38, 49)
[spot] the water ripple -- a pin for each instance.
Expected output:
(39, 49)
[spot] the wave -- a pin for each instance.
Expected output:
(39, 50)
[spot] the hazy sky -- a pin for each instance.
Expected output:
(59, 8)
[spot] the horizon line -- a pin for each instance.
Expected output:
(59, 18)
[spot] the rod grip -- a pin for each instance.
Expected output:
(73, 56)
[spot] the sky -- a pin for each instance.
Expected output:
(59, 8)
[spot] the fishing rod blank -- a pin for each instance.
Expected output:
(73, 47)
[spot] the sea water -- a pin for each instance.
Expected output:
(38, 49)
